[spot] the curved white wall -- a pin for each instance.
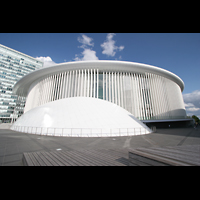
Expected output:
(145, 95)
(80, 117)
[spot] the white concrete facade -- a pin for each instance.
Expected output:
(147, 95)
(145, 91)
(80, 117)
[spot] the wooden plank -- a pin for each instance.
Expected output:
(85, 158)
(158, 158)
(34, 161)
(103, 159)
(175, 155)
(144, 161)
(77, 159)
(72, 160)
(187, 148)
(45, 160)
(119, 155)
(177, 151)
(26, 160)
(53, 163)
(52, 159)
(65, 158)
(37, 157)
(56, 158)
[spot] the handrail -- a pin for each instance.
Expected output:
(82, 132)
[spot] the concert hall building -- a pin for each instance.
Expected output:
(128, 92)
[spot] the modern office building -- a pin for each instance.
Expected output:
(145, 92)
(13, 66)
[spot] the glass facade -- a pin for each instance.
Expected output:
(13, 66)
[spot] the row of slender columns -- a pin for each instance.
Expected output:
(146, 95)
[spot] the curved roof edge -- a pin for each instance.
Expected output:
(23, 85)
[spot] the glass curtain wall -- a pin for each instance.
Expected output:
(13, 66)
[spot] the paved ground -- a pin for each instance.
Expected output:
(13, 144)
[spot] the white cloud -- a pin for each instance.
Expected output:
(109, 47)
(192, 103)
(87, 54)
(121, 48)
(85, 40)
(46, 60)
(189, 105)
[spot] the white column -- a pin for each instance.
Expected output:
(50, 88)
(61, 88)
(79, 82)
(106, 87)
(112, 90)
(72, 84)
(124, 89)
(88, 87)
(54, 86)
(109, 87)
(85, 84)
(146, 96)
(46, 89)
(58, 86)
(118, 88)
(94, 84)
(121, 90)
(64, 85)
(134, 95)
(141, 97)
(115, 89)
(75, 84)
(103, 86)
(82, 82)
(152, 89)
(97, 83)
(157, 96)
(137, 96)
(91, 84)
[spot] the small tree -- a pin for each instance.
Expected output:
(195, 118)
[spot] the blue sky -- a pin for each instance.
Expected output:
(176, 52)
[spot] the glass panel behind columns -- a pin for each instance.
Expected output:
(100, 86)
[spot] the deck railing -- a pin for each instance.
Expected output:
(82, 132)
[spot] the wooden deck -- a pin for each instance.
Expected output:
(155, 156)
(77, 158)
(188, 155)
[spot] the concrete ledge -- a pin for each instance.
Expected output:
(5, 125)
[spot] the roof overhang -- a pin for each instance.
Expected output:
(23, 85)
